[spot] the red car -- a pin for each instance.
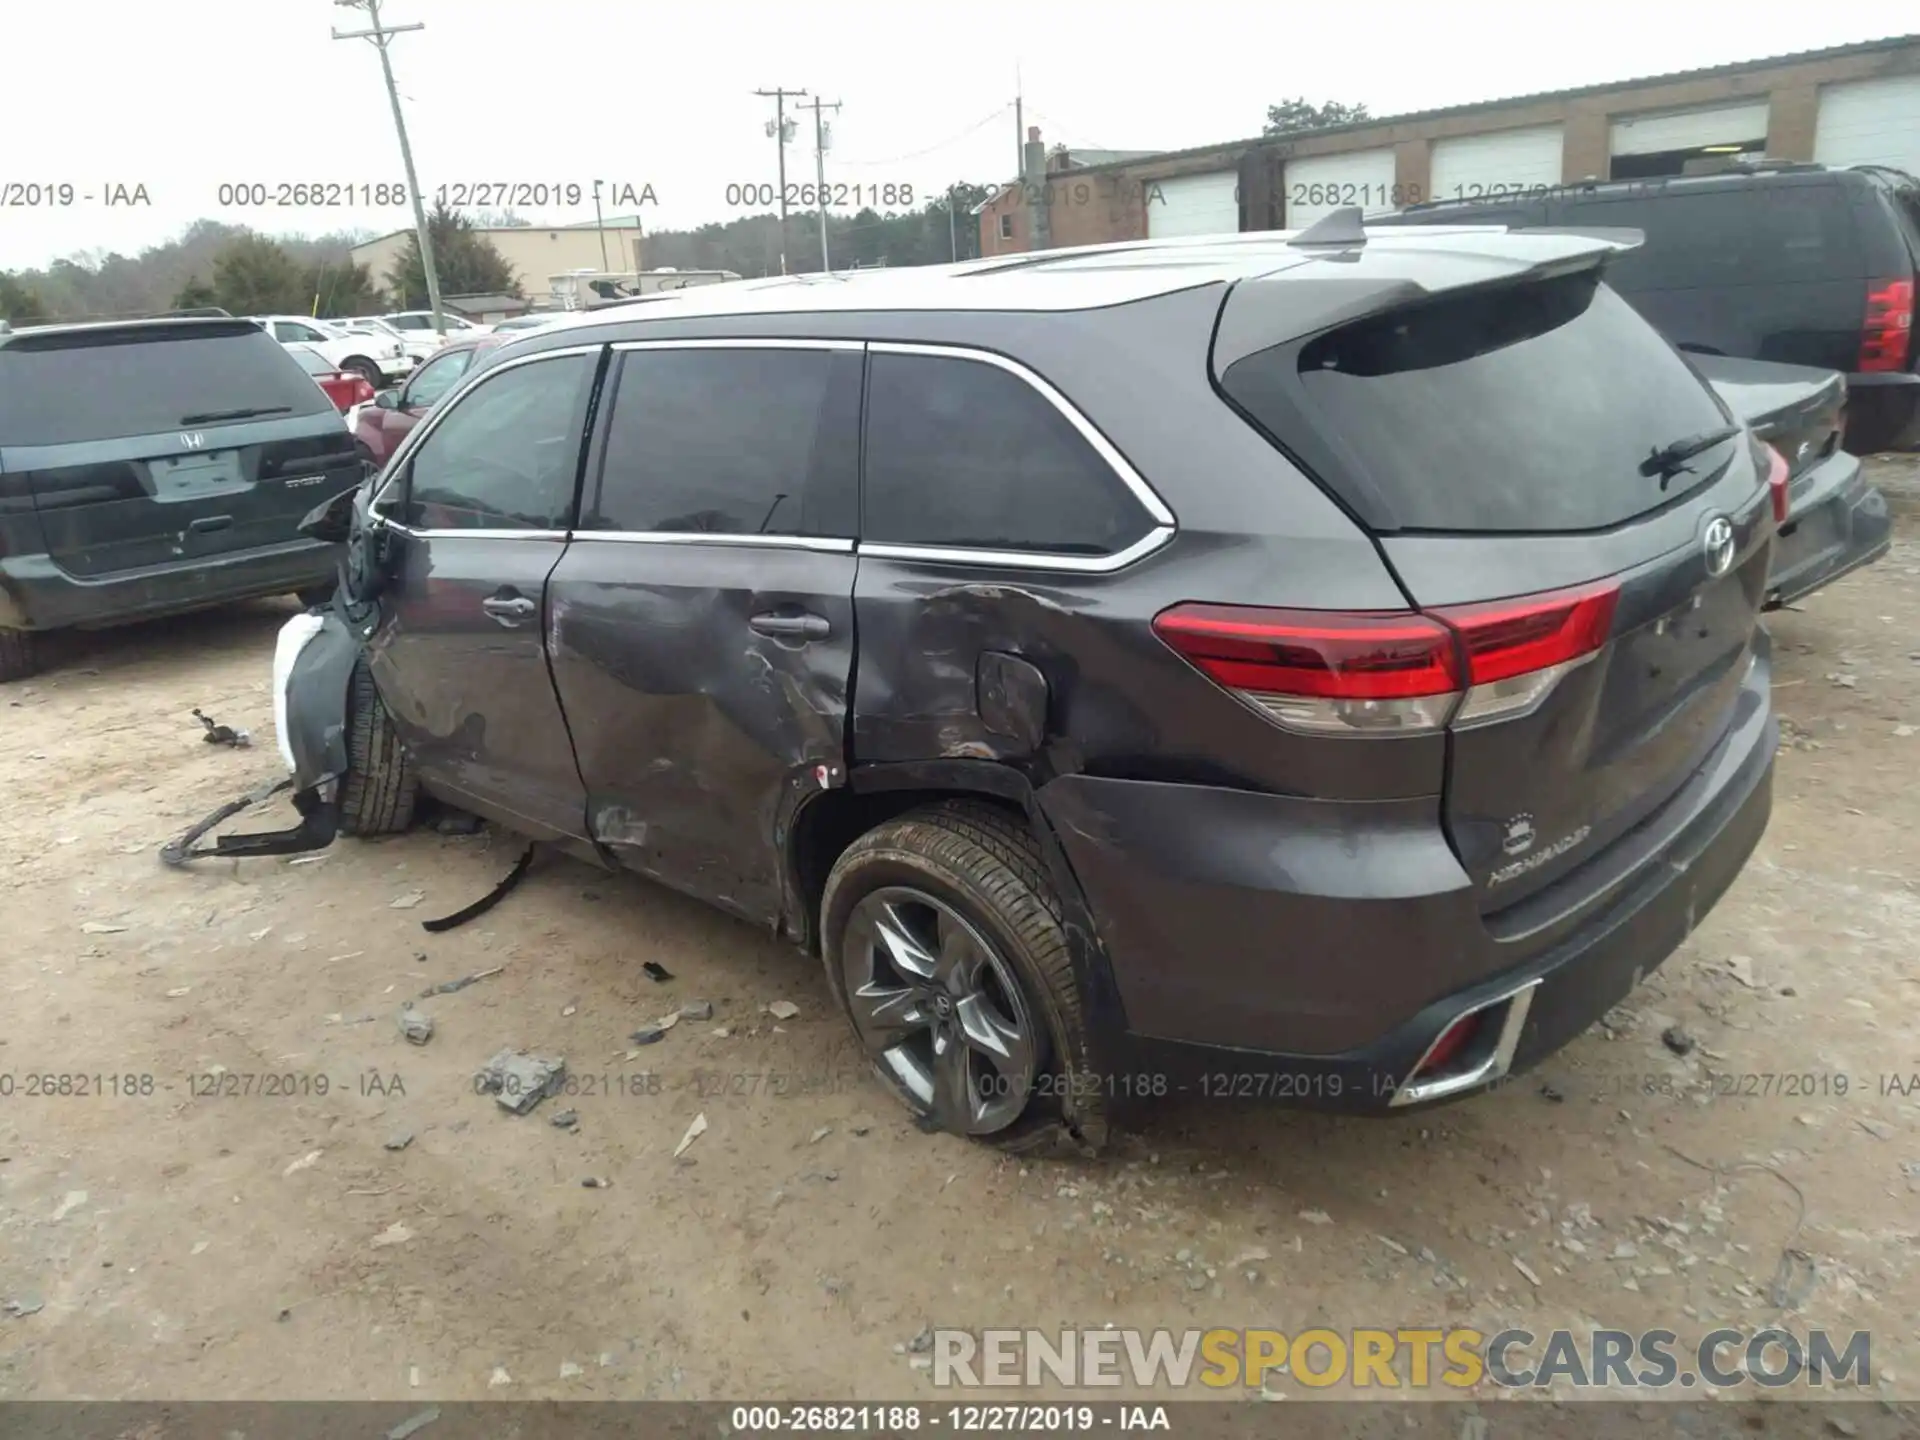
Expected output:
(343, 387)
(379, 428)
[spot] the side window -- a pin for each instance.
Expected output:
(504, 457)
(436, 378)
(963, 453)
(1802, 233)
(289, 333)
(1693, 241)
(730, 442)
(409, 322)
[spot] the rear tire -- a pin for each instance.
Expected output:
(19, 654)
(963, 876)
(378, 794)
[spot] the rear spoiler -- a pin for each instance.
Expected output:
(1619, 237)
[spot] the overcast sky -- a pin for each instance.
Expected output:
(183, 98)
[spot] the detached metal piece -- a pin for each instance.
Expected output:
(319, 821)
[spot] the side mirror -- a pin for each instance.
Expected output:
(387, 400)
(332, 520)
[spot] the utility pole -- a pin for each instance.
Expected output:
(600, 225)
(380, 35)
(820, 171)
(781, 129)
(953, 234)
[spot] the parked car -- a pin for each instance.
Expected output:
(1794, 263)
(154, 466)
(418, 346)
(376, 358)
(342, 387)
(380, 426)
(418, 322)
(1326, 669)
(1837, 521)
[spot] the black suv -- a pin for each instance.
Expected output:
(1326, 670)
(1795, 263)
(156, 466)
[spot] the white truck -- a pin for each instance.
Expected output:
(586, 289)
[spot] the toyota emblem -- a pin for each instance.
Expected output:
(1718, 544)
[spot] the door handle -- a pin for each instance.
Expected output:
(509, 610)
(791, 627)
(207, 524)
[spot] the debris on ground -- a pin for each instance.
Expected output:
(697, 1010)
(73, 1201)
(458, 822)
(1549, 1092)
(394, 1234)
(414, 1423)
(595, 1182)
(447, 987)
(499, 1377)
(570, 1371)
(520, 1081)
(218, 734)
(100, 927)
(921, 1343)
(657, 972)
(399, 1140)
(1677, 1040)
(694, 1132)
(1316, 1217)
(783, 1009)
(565, 1120)
(1741, 968)
(648, 1035)
(487, 901)
(1793, 1280)
(1526, 1270)
(21, 1306)
(416, 1026)
(819, 1135)
(668, 1021)
(305, 1162)
(408, 900)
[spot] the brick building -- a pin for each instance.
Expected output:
(1850, 105)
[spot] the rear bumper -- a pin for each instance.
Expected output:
(1837, 523)
(36, 594)
(1883, 412)
(1262, 950)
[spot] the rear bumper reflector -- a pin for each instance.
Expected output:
(1493, 1029)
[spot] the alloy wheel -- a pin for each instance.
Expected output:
(940, 1011)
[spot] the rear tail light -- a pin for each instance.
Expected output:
(1777, 483)
(1885, 338)
(1396, 672)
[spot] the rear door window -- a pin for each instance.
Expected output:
(962, 453)
(685, 454)
(60, 389)
(1737, 235)
(1522, 408)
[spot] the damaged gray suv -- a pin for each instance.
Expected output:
(1324, 667)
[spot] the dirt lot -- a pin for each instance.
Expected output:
(255, 1246)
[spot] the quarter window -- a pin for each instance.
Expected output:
(504, 457)
(965, 454)
(728, 442)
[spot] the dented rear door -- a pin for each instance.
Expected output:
(701, 620)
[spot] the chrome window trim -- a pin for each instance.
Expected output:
(458, 396)
(826, 544)
(1165, 525)
(744, 342)
(548, 536)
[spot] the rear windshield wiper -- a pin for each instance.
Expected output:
(209, 416)
(1666, 461)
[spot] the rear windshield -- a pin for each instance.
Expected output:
(79, 386)
(1526, 408)
(312, 361)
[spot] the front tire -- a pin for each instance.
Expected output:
(946, 950)
(365, 369)
(19, 654)
(379, 791)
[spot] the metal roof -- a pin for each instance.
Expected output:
(1095, 276)
(1378, 122)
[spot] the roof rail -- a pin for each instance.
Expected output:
(1336, 227)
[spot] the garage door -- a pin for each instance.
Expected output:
(1690, 129)
(1870, 122)
(1194, 205)
(1473, 166)
(1324, 183)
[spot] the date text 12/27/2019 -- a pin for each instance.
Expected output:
(457, 195)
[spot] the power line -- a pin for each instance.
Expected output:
(780, 129)
(381, 36)
(951, 140)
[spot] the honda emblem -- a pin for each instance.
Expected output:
(192, 439)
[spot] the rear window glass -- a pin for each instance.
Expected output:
(1750, 235)
(62, 389)
(1526, 408)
